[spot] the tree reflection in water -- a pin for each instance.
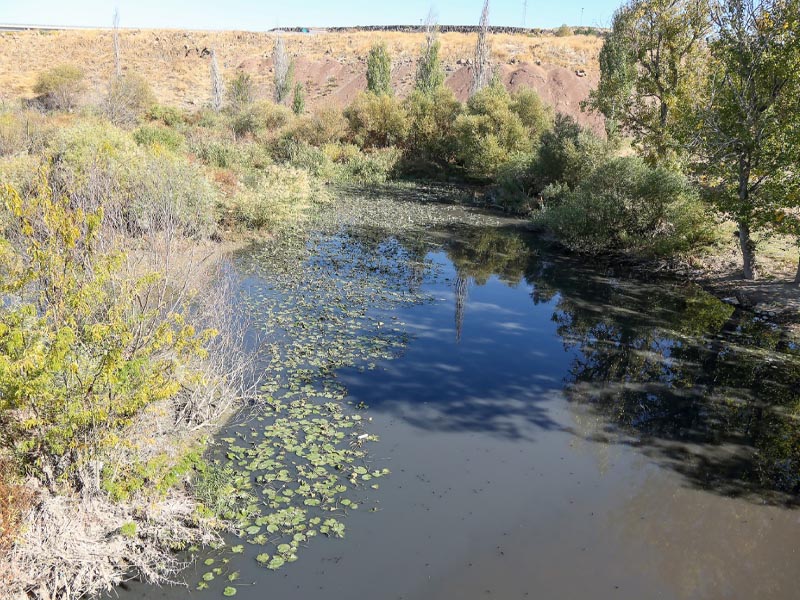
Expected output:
(709, 390)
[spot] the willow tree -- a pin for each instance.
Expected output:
(482, 69)
(746, 124)
(430, 73)
(284, 71)
(217, 84)
(379, 70)
(649, 67)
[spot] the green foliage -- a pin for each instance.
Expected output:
(431, 138)
(158, 136)
(625, 205)
(377, 120)
(167, 115)
(128, 530)
(142, 189)
(430, 72)
(240, 91)
(567, 155)
(324, 126)
(274, 195)
(650, 66)
(564, 31)
(259, 118)
(744, 121)
(129, 98)
(61, 87)
(299, 99)
(490, 133)
(154, 476)
(81, 352)
(379, 71)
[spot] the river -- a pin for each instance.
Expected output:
(554, 430)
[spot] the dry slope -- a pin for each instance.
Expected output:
(331, 65)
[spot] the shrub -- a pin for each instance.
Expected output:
(240, 91)
(260, 117)
(323, 127)
(535, 115)
(564, 31)
(377, 121)
(379, 70)
(129, 98)
(354, 165)
(141, 189)
(625, 205)
(24, 131)
(225, 154)
(299, 99)
(168, 115)
(61, 87)
(275, 195)
(155, 135)
(431, 138)
(82, 352)
(567, 155)
(489, 133)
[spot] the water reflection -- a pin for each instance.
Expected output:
(708, 390)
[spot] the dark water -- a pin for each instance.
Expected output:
(557, 431)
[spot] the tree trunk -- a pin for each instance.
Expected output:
(748, 251)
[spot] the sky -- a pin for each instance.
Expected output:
(259, 15)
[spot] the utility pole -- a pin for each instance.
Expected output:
(524, 13)
(582, 9)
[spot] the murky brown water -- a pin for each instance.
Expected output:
(555, 432)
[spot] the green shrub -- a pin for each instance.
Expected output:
(489, 133)
(379, 70)
(156, 135)
(142, 189)
(535, 115)
(564, 31)
(325, 126)
(625, 205)
(61, 87)
(354, 165)
(129, 98)
(299, 99)
(225, 154)
(260, 117)
(431, 138)
(275, 195)
(168, 115)
(82, 353)
(567, 155)
(377, 121)
(241, 91)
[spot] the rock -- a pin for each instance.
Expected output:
(580, 73)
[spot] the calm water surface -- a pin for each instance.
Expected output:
(556, 431)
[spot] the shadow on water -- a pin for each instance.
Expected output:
(696, 385)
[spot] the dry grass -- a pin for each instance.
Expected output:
(177, 63)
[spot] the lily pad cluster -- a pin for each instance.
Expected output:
(319, 300)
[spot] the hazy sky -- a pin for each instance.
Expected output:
(266, 14)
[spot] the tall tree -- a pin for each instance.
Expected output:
(217, 85)
(284, 71)
(379, 70)
(648, 68)
(430, 73)
(482, 69)
(747, 124)
(117, 57)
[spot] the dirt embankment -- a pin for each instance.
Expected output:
(331, 65)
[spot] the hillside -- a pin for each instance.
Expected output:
(332, 65)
